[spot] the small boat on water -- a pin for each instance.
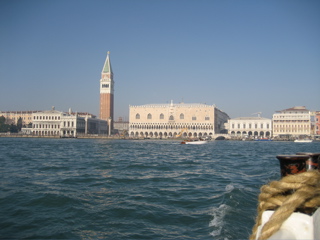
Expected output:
(303, 140)
(194, 141)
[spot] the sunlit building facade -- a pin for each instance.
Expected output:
(176, 120)
(254, 127)
(56, 123)
(12, 117)
(317, 123)
(295, 121)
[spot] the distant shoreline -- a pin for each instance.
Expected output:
(79, 137)
(117, 138)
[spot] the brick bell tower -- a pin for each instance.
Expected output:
(106, 91)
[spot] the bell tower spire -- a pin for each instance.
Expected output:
(106, 90)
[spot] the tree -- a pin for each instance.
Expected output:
(2, 120)
(13, 128)
(3, 126)
(19, 124)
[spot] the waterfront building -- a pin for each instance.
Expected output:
(56, 123)
(292, 122)
(176, 120)
(121, 127)
(12, 117)
(107, 91)
(252, 127)
(317, 123)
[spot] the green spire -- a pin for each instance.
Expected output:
(107, 65)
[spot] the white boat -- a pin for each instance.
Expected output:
(196, 141)
(303, 140)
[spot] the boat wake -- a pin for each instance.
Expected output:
(219, 214)
(217, 222)
(235, 201)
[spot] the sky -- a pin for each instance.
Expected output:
(244, 56)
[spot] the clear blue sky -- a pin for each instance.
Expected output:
(244, 56)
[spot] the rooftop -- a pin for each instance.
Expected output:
(295, 109)
(251, 118)
(175, 105)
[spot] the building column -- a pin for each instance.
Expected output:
(86, 125)
(109, 125)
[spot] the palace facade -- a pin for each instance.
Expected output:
(176, 120)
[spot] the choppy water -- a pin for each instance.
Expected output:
(130, 189)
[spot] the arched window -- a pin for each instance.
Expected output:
(171, 117)
(149, 116)
(181, 116)
(161, 116)
(137, 116)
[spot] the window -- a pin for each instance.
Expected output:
(194, 118)
(161, 116)
(149, 116)
(171, 118)
(207, 118)
(105, 85)
(181, 116)
(137, 116)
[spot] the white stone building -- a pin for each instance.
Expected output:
(253, 127)
(292, 122)
(175, 120)
(56, 123)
